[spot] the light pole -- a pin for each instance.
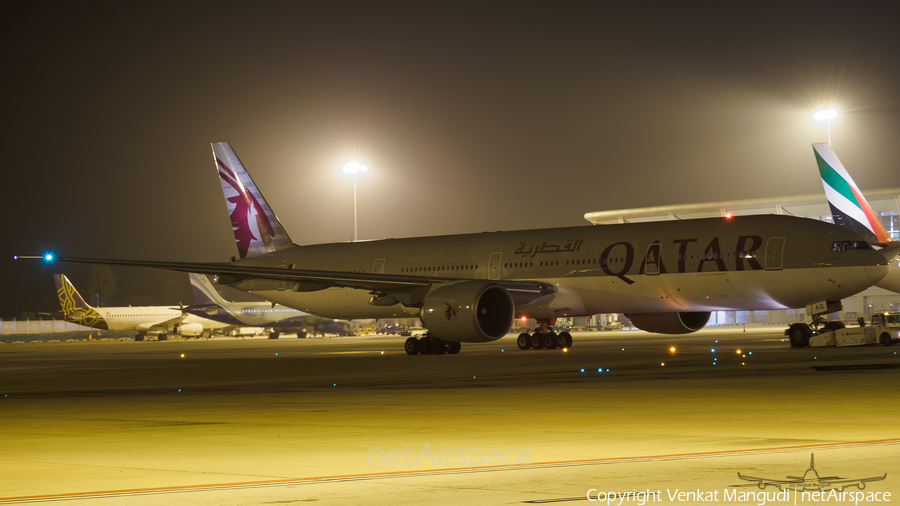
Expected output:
(354, 168)
(826, 115)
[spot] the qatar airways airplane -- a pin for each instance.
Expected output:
(666, 276)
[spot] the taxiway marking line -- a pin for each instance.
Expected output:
(433, 472)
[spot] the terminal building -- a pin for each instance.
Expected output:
(885, 202)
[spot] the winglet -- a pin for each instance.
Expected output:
(256, 229)
(848, 205)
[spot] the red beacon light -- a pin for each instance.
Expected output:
(727, 216)
(524, 318)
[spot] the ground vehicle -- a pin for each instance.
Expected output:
(885, 329)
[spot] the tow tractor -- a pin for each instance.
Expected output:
(884, 329)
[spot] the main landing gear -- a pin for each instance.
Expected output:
(431, 345)
(544, 337)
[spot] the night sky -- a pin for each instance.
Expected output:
(472, 117)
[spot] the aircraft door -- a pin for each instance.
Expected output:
(379, 266)
(652, 265)
(494, 265)
(774, 252)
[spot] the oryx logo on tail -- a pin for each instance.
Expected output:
(848, 205)
(256, 229)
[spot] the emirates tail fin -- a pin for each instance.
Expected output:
(849, 207)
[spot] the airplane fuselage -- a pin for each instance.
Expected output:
(742, 263)
(140, 318)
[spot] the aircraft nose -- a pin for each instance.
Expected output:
(876, 273)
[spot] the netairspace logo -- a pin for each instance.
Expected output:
(462, 457)
(733, 495)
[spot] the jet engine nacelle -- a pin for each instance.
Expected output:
(189, 329)
(669, 323)
(468, 312)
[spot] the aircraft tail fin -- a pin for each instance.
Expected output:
(849, 207)
(74, 307)
(257, 230)
(204, 291)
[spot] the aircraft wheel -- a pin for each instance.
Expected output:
(411, 346)
(524, 341)
(551, 341)
(425, 345)
(301, 335)
(274, 335)
(139, 337)
(886, 339)
(162, 337)
(560, 341)
(455, 346)
(537, 341)
(799, 334)
(438, 346)
(567, 338)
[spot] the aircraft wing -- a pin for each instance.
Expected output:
(154, 327)
(852, 482)
(765, 480)
(232, 272)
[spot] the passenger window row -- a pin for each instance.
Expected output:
(714, 256)
(440, 268)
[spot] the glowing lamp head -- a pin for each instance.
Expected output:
(48, 257)
(524, 318)
(728, 216)
(354, 168)
(826, 114)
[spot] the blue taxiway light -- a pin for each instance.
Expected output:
(750, 353)
(179, 389)
(48, 257)
(334, 385)
(600, 370)
(712, 350)
(582, 370)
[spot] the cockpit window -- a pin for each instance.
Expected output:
(838, 246)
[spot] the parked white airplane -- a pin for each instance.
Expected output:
(209, 304)
(666, 276)
(159, 320)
